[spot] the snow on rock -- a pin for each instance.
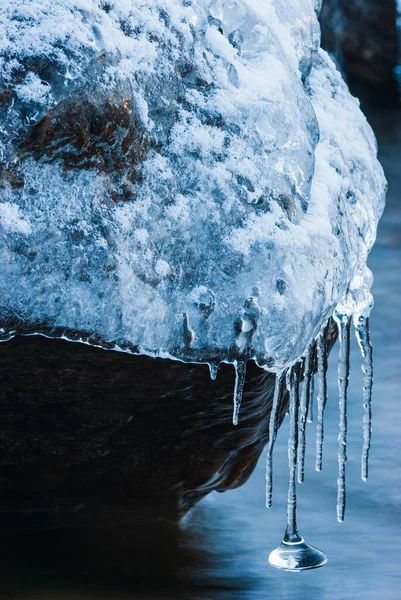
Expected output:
(188, 179)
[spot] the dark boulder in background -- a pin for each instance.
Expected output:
(362, 36)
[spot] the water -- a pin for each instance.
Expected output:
(221, 549)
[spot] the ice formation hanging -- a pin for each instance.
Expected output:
(294, 553)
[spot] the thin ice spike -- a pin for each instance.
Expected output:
(312, 399)
(321, 396)
(304, 408)
(363, 336)
(240, 373)
(213, 368)
(273, 428)
(344, 325)
(292, 530)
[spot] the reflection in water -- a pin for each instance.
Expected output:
(221, 548)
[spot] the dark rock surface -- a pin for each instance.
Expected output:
(90, 131)
(362, 34)
(85, 431)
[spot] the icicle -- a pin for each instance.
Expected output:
(305, 402)
(363, 336)
(292, 452)
(321, 396)
(294, 554)
(344, 323)
(273, 427)
(213, 368)
(240, 373)
(311, 401)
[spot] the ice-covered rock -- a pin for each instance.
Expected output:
(188, 179)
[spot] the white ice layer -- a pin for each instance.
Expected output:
(257, 198)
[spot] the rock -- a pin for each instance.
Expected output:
(84, 429)
(91, 130)
(88, 433)
(161, 169)
(362, 34)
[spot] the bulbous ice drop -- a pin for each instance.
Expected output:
(273, 428)
(344, 326)
(240, 373)
(363, 337)
(304, 409)
(321, 396)
(294, 554)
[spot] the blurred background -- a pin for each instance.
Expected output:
(220, 549)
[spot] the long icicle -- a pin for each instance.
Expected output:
(240, 373)
(292, 530)
(312, 399)
(321, 396)
(294, 553)
(305, 403)
(273, 428)
(344, 327)
(363, 337)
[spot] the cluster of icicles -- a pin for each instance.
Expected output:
(294, 554)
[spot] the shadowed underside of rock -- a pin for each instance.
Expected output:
(84, 428)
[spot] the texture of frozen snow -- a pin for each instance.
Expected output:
(252, 208)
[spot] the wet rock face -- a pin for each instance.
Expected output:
(362, 34)
(87, 429)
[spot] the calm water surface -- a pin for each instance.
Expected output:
(221, 549)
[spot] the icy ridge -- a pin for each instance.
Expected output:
(247, 211)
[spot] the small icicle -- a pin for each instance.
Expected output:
(213, 368)
(273, 428)
(292, 531)
(305, 402)
(321, 396)
(363, 337)
(344, 324)
(240, 373)
(311, 401)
